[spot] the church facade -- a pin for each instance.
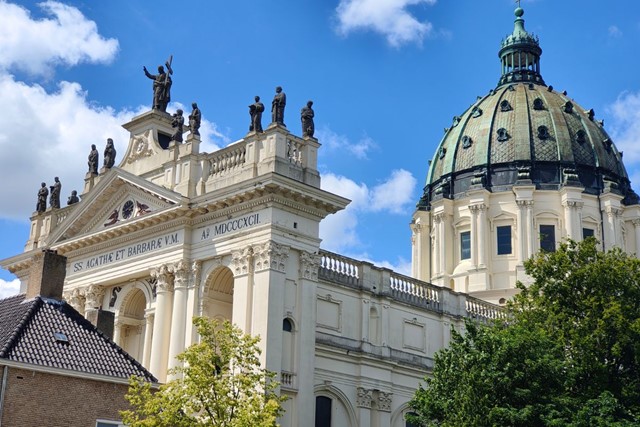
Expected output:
(170, 233)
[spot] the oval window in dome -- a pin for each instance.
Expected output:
(538, 104)
(505, 106)
(503, 135)
(466, 142)
(543, 132)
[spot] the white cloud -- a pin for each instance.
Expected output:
(387, 17)
(8, 289)
(339, 231)
(36, 46)
(625, 126)
(333, 141)
(395, 193)
(614, 31)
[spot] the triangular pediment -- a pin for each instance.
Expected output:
(119, 198)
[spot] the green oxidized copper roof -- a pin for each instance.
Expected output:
(524, 132)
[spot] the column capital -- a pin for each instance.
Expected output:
(384, 401)
(309, 265)
(242, 261)
(181, 272)
(477, 207)
(93, 295)
(364, 398)
(636, 222)
(164, 279)
(271, 255)
(522, 204)
(573, 204)
(613, 211)
(75, 298)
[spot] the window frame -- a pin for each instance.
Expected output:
(541, 238)
(462, 247)
(498, 245)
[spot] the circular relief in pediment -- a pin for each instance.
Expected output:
(127, 209)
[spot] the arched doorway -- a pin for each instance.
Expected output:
(130, 323)
(217, 298)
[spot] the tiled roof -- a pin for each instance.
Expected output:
(27, 329)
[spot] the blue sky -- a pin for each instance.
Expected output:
(386, 76)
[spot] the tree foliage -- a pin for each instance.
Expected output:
(220, 384)
(567, 354)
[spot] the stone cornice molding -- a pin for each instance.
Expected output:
(364, 398)
(164, 279)
(309, 265)
(271, 255)
(241, 261)
(93, 295)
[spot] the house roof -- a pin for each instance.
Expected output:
(50, 333)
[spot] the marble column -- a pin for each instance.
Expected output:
(193, 303)
(613, 229)
(148, 335)
(162, 322)
(572, 211)
(181, 272)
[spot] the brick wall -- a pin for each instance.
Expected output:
(35, 399)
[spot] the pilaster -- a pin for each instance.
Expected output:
(306, 337)
(242, 266)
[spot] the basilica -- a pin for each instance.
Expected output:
(169, 232)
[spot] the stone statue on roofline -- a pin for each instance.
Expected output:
(109, 154)
(255, 111)
(93, 160)
(306, 116)
(178, 124)
(277, 106)
(56, 188)
(41, 206)
(73, 198)
(194, 119)
(161, 85)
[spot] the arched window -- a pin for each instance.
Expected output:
(323, 411)
(286, 325)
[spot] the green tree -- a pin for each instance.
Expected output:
(566, 354)
(220, 384)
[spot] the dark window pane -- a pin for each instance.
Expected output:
(587, 232)
(504, 240)
(286, 325)
(410, 424)
(323, 411)
(548, 238)
(465, 245)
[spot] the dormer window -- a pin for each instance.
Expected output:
(505, 106)
(476, 112)
(543, 133)
(466, 142)
(538, 104)
(443, 151)
(503, 135)
(581, 137)
(568, 107)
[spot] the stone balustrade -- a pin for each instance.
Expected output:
(365, 276)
